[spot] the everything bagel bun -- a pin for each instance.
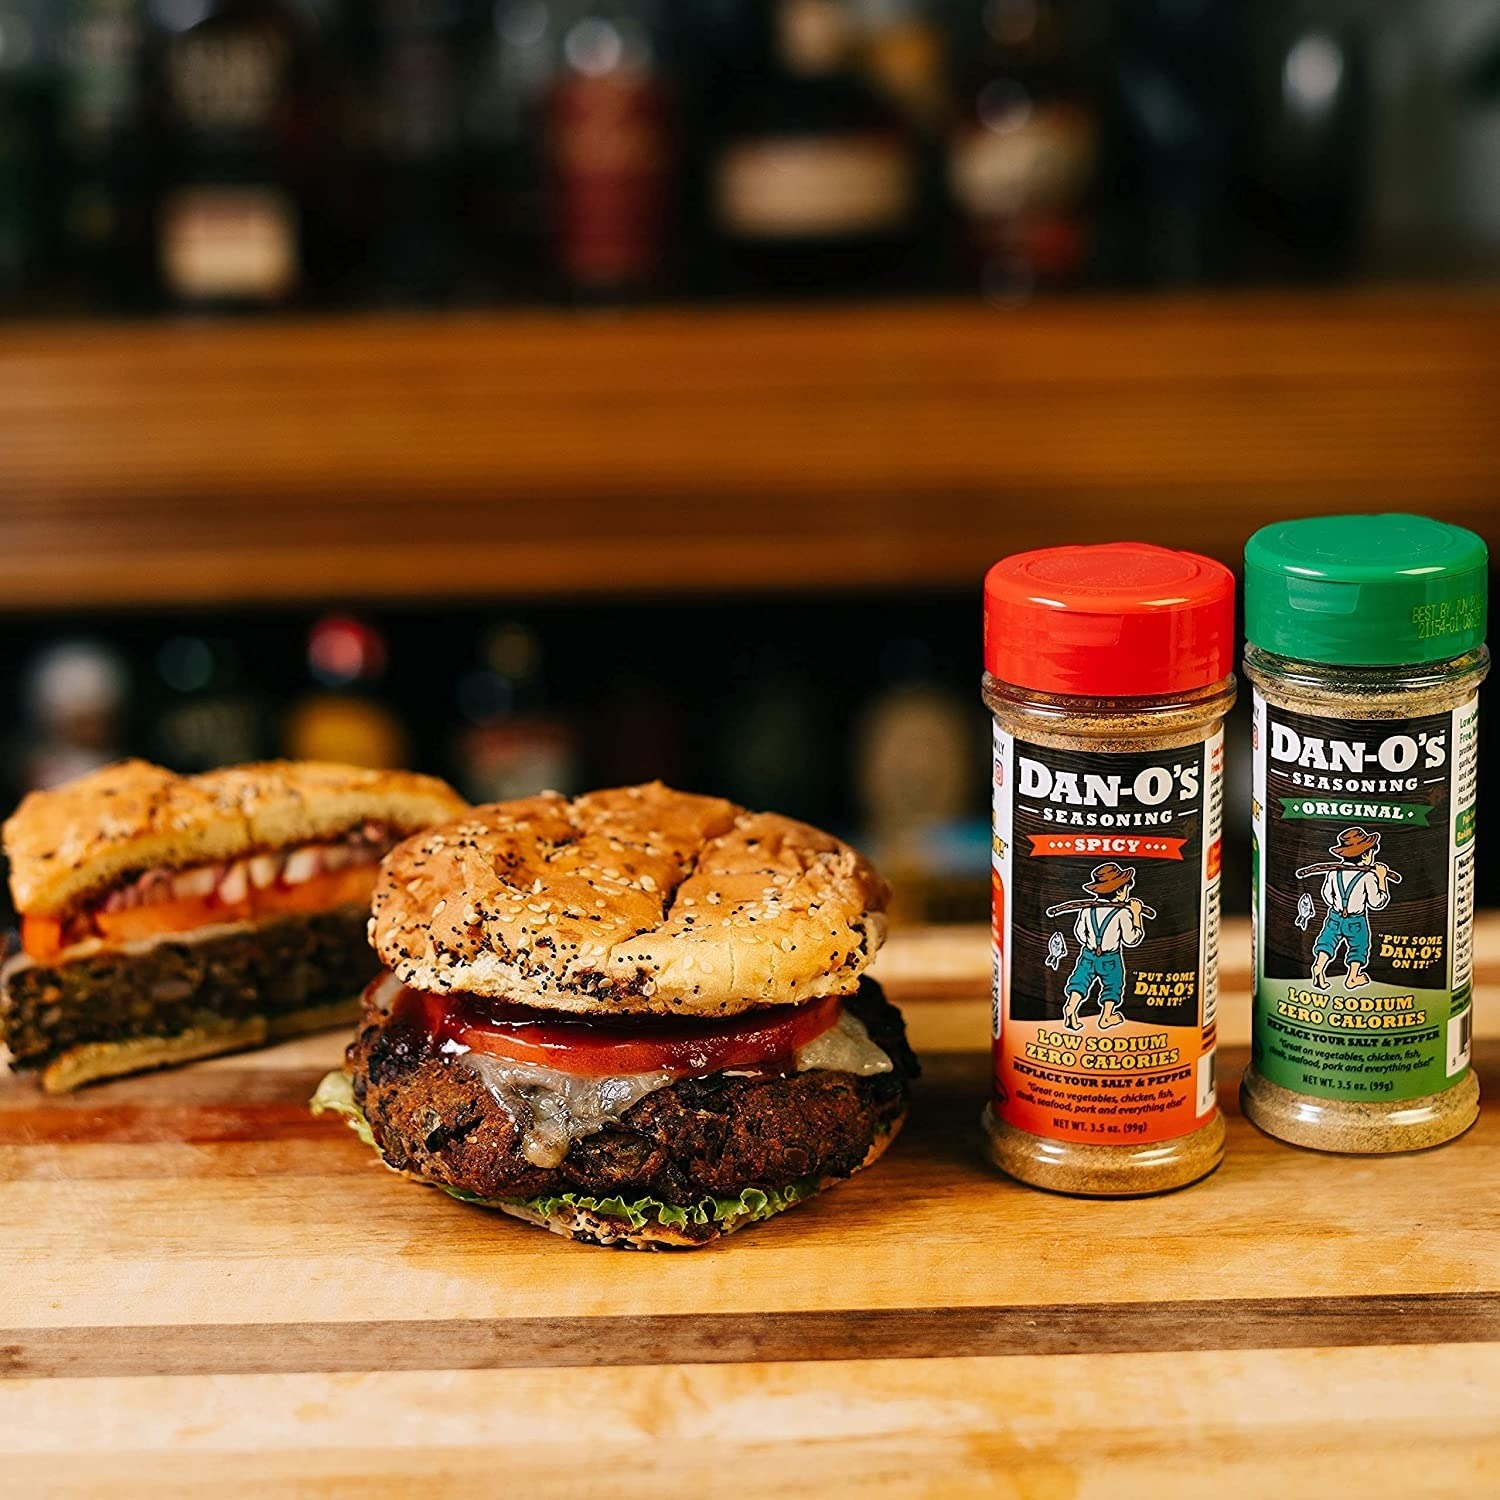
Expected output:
(69, 842)
(639, 900)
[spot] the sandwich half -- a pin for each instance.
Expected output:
(166, 918)
(639, 1018)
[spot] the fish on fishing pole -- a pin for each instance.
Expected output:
(1057, 950)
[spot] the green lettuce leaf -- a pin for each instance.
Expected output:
(750, 1205)
(335, 1096)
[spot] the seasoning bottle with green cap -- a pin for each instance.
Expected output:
(1366, 649)
(1108, 670)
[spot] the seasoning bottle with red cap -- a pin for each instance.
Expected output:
(1108, 672)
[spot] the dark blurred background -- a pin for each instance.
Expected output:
(169, 155)
(564, 392)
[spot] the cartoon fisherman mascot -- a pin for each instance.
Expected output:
(1353, 888)
(1105, 927)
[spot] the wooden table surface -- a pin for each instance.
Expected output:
(205, 1289)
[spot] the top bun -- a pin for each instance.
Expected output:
(74, 840)
(638, 900)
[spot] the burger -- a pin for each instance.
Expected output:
(165, 918)
(639, 1018)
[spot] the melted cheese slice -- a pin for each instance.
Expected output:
(552, 1109)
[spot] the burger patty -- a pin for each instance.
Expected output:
(699, 1137)
(279, 967)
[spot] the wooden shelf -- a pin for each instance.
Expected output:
(531, 455)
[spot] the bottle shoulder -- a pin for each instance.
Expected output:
(1379, 692)
(1109, 725)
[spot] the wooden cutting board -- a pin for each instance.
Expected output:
(205, 1289)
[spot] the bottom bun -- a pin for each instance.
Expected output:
(92, 1062)
(592, 1226)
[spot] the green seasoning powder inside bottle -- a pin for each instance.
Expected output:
(1366, 651)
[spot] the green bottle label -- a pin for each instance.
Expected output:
(1364, 902)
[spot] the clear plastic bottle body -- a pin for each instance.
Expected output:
(1109, 728)
(1384, 693)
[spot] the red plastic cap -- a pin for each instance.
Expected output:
(1125, 619)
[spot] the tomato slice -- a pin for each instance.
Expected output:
(43, 937)
(349, 887)
(132, 924)
(601, 1048)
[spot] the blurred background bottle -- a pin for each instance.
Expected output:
(1434, 141)
(775, 743)
(344, 714)
(513, 740)
(1302, 160)
(104, 231)
(206, 714)
(719, 44)
(642, 732)
(237, 149)
(1177, 88)
(903, 51)
(517, 47)
(413, 65)
(26, 136)
(76, 695)
(610, 153)
(1022, 153)
(816, 182)
(919, 761)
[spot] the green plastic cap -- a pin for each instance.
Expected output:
(1366, 590)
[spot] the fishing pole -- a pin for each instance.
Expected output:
(1306, 870)
(1067, 906)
